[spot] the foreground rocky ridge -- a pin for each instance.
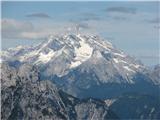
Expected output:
(24, 96)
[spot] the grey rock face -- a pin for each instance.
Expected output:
(155, 74)
(25, 97)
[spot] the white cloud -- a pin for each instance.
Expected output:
(14, 25)
(12, 28)
(34, 29)
(16, 29)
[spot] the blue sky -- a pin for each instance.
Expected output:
(131, 26)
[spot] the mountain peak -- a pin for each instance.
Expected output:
(72, 38)
(63, 53)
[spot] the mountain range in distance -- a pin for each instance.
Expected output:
(77, 76)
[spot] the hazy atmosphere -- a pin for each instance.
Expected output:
(80, 60)
(130, 26)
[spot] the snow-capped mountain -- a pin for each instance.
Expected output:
(77, 63)
(63, 53)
